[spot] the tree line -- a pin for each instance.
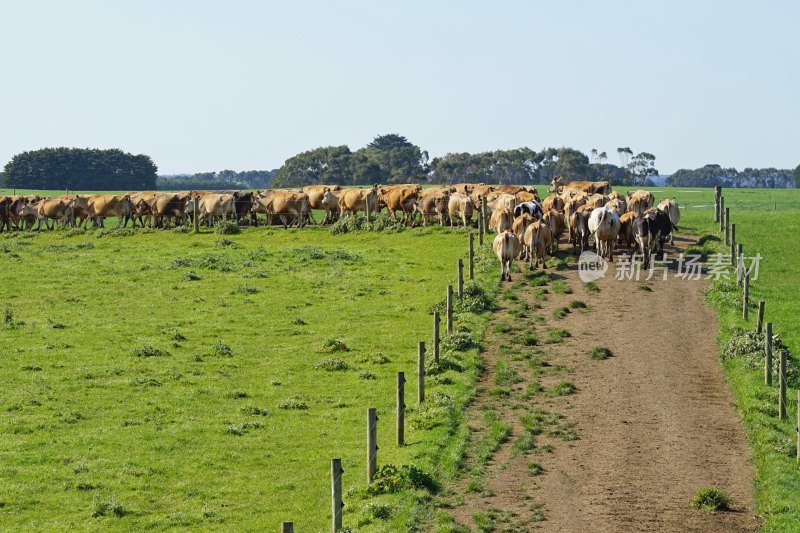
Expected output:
(222, 180)
(713, 175)
(80, 169)
(388, 158)
(392, 158)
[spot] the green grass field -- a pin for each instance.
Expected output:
(131, 388)
(171, 381)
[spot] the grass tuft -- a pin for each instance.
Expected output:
(600, 353)
(711, 499)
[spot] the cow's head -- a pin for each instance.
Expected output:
(555, 183)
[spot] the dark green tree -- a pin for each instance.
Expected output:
(81, 169)
(329, 164)
(797, 177)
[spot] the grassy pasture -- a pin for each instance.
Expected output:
(180, 439)
(212, 400)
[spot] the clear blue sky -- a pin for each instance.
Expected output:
(205, 86)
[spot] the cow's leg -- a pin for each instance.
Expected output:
(283, 220)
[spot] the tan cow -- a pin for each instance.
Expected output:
(110, 205)
(57, 209)
(670, 207)
(641, 195)
(539, 240)
(597, 200)
(527, 196)
(501, 220)
(519, 226)
(352, 200)
(553, 201)
(460, 206)
(285, 204)
(618, 206)
(506, 247)
(465, 188)
(579, 227)
(478, 192)
(316, 194)
(555, 221)
(557, 185)
(640, 201)
(215, 205)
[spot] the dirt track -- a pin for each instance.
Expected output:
(655, 422)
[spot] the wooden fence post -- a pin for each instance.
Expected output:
(483, 213)
(449, 309)
(739, 264)
(722, 213)
(336, 494)
(733, 245)
(480, 228)
(436, 337)
(727, 226)
(460, 279)
(768, 354)
(372, 443)
(471, 256)
(717, 193)
(421, 372)
(760, 319)
(797, 428)
(401, 407)
(746, 297)
(196, 214)
(287, 527)
(782, 384)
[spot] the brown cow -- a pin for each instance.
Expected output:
(352, 200)
(399, 199)
(506, 247)
(5, 221)
(433, 202)
(558, 185)
(626, 230)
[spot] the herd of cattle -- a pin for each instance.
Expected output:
(526, 225)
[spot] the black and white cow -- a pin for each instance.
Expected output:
(532, 208)
(650, 230)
